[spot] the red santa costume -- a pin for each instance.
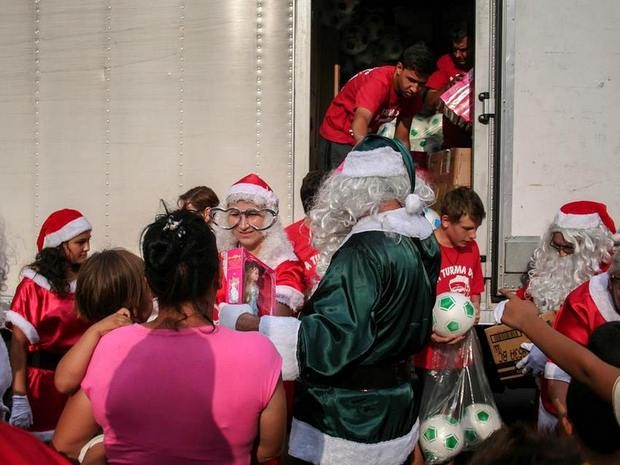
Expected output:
(299, 236)
(49, 322)
(561, 282)
(275, 250)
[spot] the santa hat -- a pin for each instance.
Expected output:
(584, 214)
(254, 189)
(61, 226)
(378, 156)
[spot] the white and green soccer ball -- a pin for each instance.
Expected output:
(479, 422)
(441, 438)
(453, 314)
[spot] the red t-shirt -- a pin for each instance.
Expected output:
(372, 89)
(299, 235)
(461, 271)
(446, 69)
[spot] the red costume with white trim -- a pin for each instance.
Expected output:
(50, 323)
(585, 309)
(275, 251)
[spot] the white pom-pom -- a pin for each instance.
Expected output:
(414, 204)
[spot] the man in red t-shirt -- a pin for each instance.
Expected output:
(461, 214)
(371, 98)
(451, 67)
(299, 233)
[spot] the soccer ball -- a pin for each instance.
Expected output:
(453, 314)
(432, 217)
(441, 437)
(479, 421)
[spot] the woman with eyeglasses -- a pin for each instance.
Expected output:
(200, 200)
(248, 218)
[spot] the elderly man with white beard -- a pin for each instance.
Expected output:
(576, 247)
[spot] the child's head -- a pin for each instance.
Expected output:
(461, 214)
(591, 417)
(181, 262)
(519, 444)
(309, 187)
(110, 280)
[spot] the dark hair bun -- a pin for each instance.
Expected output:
(180, 257)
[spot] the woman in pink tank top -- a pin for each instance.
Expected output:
(177, 389)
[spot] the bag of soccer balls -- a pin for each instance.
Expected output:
(458, 411)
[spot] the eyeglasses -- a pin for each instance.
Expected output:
(568, 249)
(230, 218)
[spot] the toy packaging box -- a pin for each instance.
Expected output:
(249, 281)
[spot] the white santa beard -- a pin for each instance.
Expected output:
(554, 277)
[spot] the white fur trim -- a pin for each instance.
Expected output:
(572, 221)
(394, 221)
(283, 332)
(552, 371)
(230, 313)
(39, 279)
(383, 162)
(252, 190)
(42, 281)
(26, 327)
(414, 204)
(274, 250)
(67, 232)
(601, 297)
(289, 296)
(309, 444)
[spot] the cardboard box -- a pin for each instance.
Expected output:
(505, 344)
(249, 281)
(448, 169)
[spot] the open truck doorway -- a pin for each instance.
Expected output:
(352, 36)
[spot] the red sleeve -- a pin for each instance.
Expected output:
(437, 80)
(290, 283)
(27, 302)
(573, 318)
(477, 285)
(371, 95)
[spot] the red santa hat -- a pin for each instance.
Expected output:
(584, 214)
(61, 226)
(254, 189)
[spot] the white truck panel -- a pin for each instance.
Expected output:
(108, 106)
(566, 109)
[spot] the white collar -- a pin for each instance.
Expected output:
(394, 221)
(42, 281)
(602, 298)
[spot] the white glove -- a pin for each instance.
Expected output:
(230, 313)
(498, 311)
(21, 413)
(534, 362)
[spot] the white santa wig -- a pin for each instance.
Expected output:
(553, 276)
(357, 189)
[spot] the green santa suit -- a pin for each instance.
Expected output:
(369, 314)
